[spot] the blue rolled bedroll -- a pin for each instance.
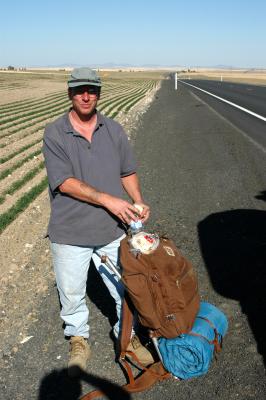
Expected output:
(189, 355)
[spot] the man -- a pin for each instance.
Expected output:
(89, 165)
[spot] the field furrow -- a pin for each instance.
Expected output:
(21, 204)
(11, 149)
(31, 106)
(20, 172)
(21, 134)
(13, 162)
(11, 199)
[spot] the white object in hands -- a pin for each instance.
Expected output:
(136, 226)
(138, 207)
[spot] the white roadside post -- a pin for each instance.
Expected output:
(176, 81)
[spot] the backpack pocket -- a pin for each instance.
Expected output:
(137, 285)
(187, 287)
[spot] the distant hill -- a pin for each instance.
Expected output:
(105, 65)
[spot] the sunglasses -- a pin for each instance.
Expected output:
(91, 90)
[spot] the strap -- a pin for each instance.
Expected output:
(217, 341)
(150, 376)
(127, 323)
(153, 374)
(132, 356)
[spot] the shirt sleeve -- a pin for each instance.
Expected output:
(57, 162)
(128, 163)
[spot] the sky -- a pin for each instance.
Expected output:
(185, 33)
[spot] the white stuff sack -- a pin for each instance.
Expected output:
(144, 242)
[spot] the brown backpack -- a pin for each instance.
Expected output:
(163, 288)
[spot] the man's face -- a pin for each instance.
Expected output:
(84, 99)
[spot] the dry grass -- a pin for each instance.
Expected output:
(17, 86)
(255, 77)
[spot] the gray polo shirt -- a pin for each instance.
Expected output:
(101, 163)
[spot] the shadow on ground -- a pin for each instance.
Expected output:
(98, 293)
(262, 195)
(58, 386)
(233, 245)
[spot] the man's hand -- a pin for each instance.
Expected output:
(145, 213)
(132, 187)
(121, 208)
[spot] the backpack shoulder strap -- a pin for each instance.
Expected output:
(155, 373)
(149, 376)
(127, 324)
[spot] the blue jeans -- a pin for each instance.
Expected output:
(71, 264)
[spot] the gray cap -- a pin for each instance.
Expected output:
(83, 76)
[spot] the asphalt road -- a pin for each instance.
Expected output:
(250, 97)
(206, 184)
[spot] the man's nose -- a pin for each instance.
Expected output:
(85, 96)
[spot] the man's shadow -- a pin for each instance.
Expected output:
(58, 386)
(98, 294)
(233, 245)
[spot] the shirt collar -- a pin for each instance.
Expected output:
(68, 128)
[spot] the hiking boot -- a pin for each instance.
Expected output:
(79, 355)
(142, 353)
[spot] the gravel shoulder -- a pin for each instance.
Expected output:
(201, 177)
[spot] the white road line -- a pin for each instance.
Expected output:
(226, 101)
(256, 144)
